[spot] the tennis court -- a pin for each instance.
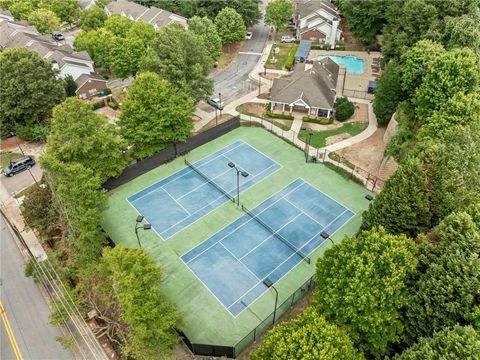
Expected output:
(179, 200)
(266, 242)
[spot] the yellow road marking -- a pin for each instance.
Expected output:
(8, 328)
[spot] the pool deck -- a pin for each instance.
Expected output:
(354, 84)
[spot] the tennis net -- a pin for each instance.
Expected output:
(277, 235)
(210, 181)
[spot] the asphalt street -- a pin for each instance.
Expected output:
(26, 309)
(233, 82)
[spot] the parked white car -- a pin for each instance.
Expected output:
(215, 102)
(248, 35)
(288, 39)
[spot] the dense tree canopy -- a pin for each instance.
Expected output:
(45, 21)
(388, 93)
(125, 289)
(462, 31)
(118, 25)
(365, 18)
(459, 342)
(230, 26)
(155, 114)
(92, 19)
(29, 88)
(402, 206)
(179, 56)
(362, 287)
(98, 44)
(80, 135)
(278, 13)
(308, 337)
(205, 29)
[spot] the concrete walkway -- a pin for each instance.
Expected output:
(297, 123)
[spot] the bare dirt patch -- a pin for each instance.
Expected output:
(112, 115)
(254, 108)
(337, 138)
(220, 120)
(229, 52)
(360, 114)
(368, 155)
(13, 144)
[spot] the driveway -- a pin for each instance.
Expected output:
(233, 82)
(21, 180)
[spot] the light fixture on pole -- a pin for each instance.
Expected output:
(138, 225)
(239, 172)
(326, 236)
(220, 99)
(269, 284)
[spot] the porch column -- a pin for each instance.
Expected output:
(283, 108)
(328, 113)
(291, 108)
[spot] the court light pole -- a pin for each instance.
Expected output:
(138, 225)
(326, 236)
(309, 139)
(220, 99)
(239, 172)
(269, 284)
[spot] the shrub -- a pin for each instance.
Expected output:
(33, 132)
(291, 57)
(325, 121)
(112, 105)
(279, 116)
(344, 109)
(98, 105)
(107, 91)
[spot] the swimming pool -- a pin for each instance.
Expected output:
(353, 65)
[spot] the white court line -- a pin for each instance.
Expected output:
(346, 207)
(299, 262)
(245, 266)
(276, 232)
(204, 182)
(303, 211)
(220, 197)
(187, 172)
(236, 229)
(166, 191)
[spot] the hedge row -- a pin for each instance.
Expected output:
(324, 121)
(279, 116)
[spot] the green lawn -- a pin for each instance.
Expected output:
(281, 56)
(6, 157)
(319, 137)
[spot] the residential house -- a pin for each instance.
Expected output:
(6, 15)
(136, 12)
(18, 34)
(317, 21)
(310, 89)
(90, 85)
(86, 4)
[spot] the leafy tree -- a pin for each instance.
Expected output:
(92, 19)
(344, 109)
(70, 85)
(125, 289)
(80, 135)
(362, 287)
(407, 22)
(388, 93)
(365, 18)
(204, 28)
(230, 26)
(461, 109)
(66, 10)
(278, 13)
(402, 206)
(21, 9)
(44, 20)
(455, 169)
(449, 289)
(98, 44)
(155, 114)
(29, 88)
(118, 25)
(462, 31)
(307, 337)
(459, 342)
(180, 57)
(416, 61)
(455, 71)
(143, 32)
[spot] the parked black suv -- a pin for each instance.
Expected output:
(21, 164)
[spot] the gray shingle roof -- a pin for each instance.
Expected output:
(316, 86)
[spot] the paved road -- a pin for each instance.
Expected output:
(21, 180)
(233, 82)
(26, 309)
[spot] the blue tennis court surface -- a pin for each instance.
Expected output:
(177, 201)
(233, 263)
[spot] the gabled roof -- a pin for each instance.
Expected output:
(82, 79)
(153, 15)
(304, 8)
(315, 87)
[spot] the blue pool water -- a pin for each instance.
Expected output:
(353, 65)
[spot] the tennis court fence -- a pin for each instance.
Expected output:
(235, 350)
(332, 159)
(170, 152)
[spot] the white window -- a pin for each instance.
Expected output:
(92, 92)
